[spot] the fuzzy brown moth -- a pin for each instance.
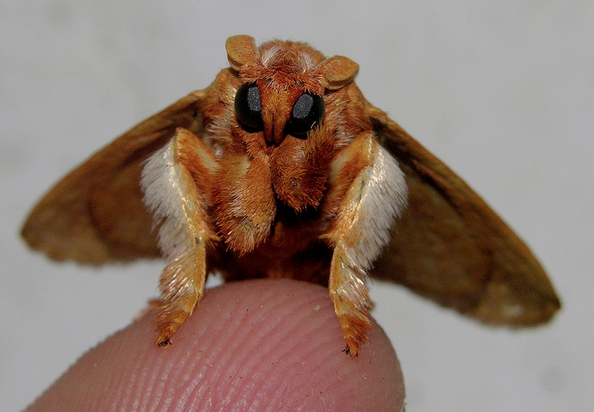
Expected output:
(281, 169)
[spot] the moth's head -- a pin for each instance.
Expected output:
(286, 110)
(283, 84)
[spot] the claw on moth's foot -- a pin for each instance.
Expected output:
(163, 344)
(352, 348)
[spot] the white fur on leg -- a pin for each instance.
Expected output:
(376, 197)
(172, 197)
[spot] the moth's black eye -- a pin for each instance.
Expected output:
(248, 106)
(308, 111)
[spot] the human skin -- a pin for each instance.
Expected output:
(257, 345)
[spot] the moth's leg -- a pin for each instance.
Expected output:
(244, 201)
(368, 191)
(176, 181)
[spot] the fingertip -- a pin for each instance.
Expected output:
(252, 345)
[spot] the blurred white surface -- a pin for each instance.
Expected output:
(502, 91)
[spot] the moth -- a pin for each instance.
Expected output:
(282, 169)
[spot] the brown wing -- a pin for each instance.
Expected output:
(452, 248)
(95, 214)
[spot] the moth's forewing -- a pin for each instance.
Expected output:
(96, 214)
(450, 246)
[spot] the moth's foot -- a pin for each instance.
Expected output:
(352, 348)
(355, 327)
(168, 322)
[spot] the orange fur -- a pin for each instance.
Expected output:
(264, 203)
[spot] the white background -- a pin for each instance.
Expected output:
(502, 91)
